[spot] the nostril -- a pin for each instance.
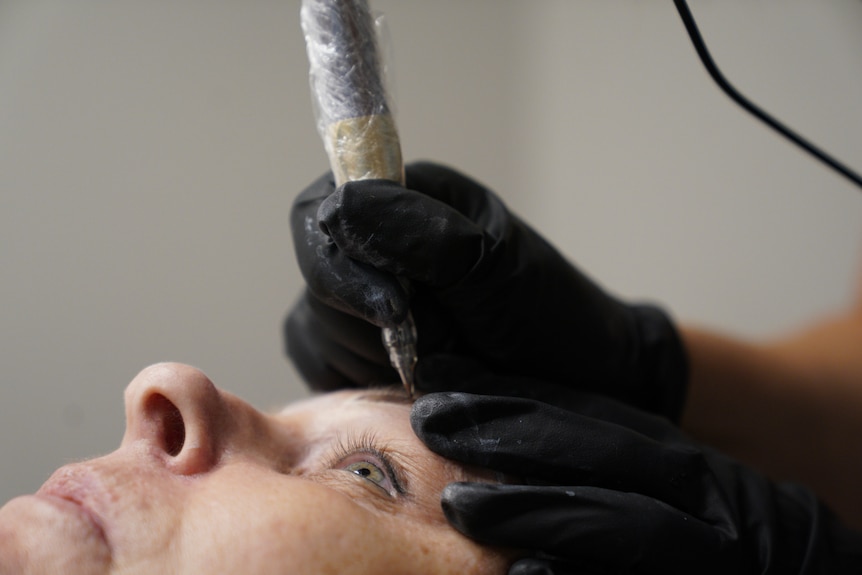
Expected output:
(168, 419)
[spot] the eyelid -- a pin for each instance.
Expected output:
(367, 443)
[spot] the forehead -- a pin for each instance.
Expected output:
(369, 402)
(320, 418)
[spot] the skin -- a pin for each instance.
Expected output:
(205, 483)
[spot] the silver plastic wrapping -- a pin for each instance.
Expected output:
(355, 120)
(348, 91)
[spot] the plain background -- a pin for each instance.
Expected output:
(150, 151)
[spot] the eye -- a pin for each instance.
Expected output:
(367, 470)
(360, 455)
(365, 466)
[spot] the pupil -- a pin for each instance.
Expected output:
(364, 471)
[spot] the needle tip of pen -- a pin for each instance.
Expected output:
(407, 381)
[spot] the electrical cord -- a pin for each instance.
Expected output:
(700, 48)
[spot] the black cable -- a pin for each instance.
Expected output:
(700, 47)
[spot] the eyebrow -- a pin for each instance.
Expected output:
(388, 394)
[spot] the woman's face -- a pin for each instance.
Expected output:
(205, 483)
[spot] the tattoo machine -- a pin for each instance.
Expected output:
(355, 121)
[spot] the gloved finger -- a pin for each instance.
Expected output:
(402, 232)
(310, 363)
(464, 194)
(531, 439)
(531, 567)
(324, 363)
(311, 196)
(443, 372)
(434, 180)
(360, 337)
(334, 278)
(605, 530)
(540, 566)
(446, 372)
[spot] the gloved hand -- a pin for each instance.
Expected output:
(595, 486)
(485, 285)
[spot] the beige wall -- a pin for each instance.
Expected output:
(149, 152)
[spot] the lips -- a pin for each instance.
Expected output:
(79, 491)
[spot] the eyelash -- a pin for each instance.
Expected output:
(366, 442)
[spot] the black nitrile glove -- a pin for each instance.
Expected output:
(598, 487)
(485, 285)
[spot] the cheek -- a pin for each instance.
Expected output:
(285, 526)
(440, 550)
(295, 526)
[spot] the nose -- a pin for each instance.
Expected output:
(180, 415)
